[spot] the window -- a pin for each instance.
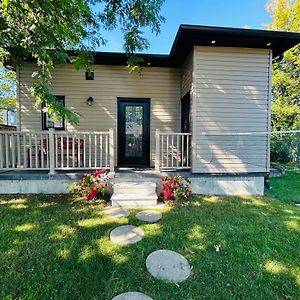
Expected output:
(47, 122)
(89, 75)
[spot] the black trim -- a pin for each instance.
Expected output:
(44, 119)
(144, 161)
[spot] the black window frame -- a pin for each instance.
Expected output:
(44, 114)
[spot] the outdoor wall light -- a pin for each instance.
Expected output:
(89, 101)
(213, 41)
(269, 44)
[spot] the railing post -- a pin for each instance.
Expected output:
(51, 151)
(157, 151)
(111, 150)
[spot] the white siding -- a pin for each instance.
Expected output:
(187, 75)
(230, 94)
(161, 85)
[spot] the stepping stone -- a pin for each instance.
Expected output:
(149, 216)
(117, 212)
(168, 265)
(132, 296)
(126, 234)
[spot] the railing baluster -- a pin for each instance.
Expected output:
(95, 138)
(36, 150)
(167, 151)
(1, 151)
(68, 154)
(172, 152)
(13, 152)
(73, 151)
(47, 150)
(19, 150)
(6, 152)
(106, 146)
(78, 151)
(182, 150)
(162, 151)
(84, 151)
(56, 149)
(30, 150)
(177, 150)
(187, 150)
(24, 151)
(101, 151)
(42, 151)
(61, 151)
(90, 151)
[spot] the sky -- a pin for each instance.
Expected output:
(227, 13)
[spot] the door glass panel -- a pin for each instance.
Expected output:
(133, 131)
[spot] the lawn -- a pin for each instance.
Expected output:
(55, 248)
(287, 187)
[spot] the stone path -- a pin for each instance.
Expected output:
(162, 264)
(132, 296)
(117, 212)
(149, 216)
(126, 234)
(168, 265)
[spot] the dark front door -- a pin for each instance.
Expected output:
(133, 132)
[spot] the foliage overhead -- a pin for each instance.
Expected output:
(46, 30)
(7, 89)
(286, 69)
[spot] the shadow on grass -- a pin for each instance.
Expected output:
(238, 247)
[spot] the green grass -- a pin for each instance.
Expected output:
(53, 248)
(287, 187)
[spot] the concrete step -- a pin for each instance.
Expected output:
(146, 188)
(134, 194)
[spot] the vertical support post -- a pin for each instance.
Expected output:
(111, 150)
(157, 151)
(51, 151)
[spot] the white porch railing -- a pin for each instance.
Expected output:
(172, 151)
(53, 150)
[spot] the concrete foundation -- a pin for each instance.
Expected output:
(33, 183)
(227, 185)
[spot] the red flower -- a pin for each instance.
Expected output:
(168, 194)
(92, 195)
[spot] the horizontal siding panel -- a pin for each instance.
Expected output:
(249, 65)
(232, 50)
(211, 68)
(231, 92)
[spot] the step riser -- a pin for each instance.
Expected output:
(135, 192)
(139, 203)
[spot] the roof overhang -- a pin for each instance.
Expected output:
(193, 35)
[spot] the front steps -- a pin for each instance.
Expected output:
(134, 194)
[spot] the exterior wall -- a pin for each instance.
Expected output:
(230, 94)
(187, 75)
(162, 85)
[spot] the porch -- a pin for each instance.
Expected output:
(55, 151)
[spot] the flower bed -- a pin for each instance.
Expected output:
(176, 187)
(92, 185)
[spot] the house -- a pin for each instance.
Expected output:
(204, 110)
